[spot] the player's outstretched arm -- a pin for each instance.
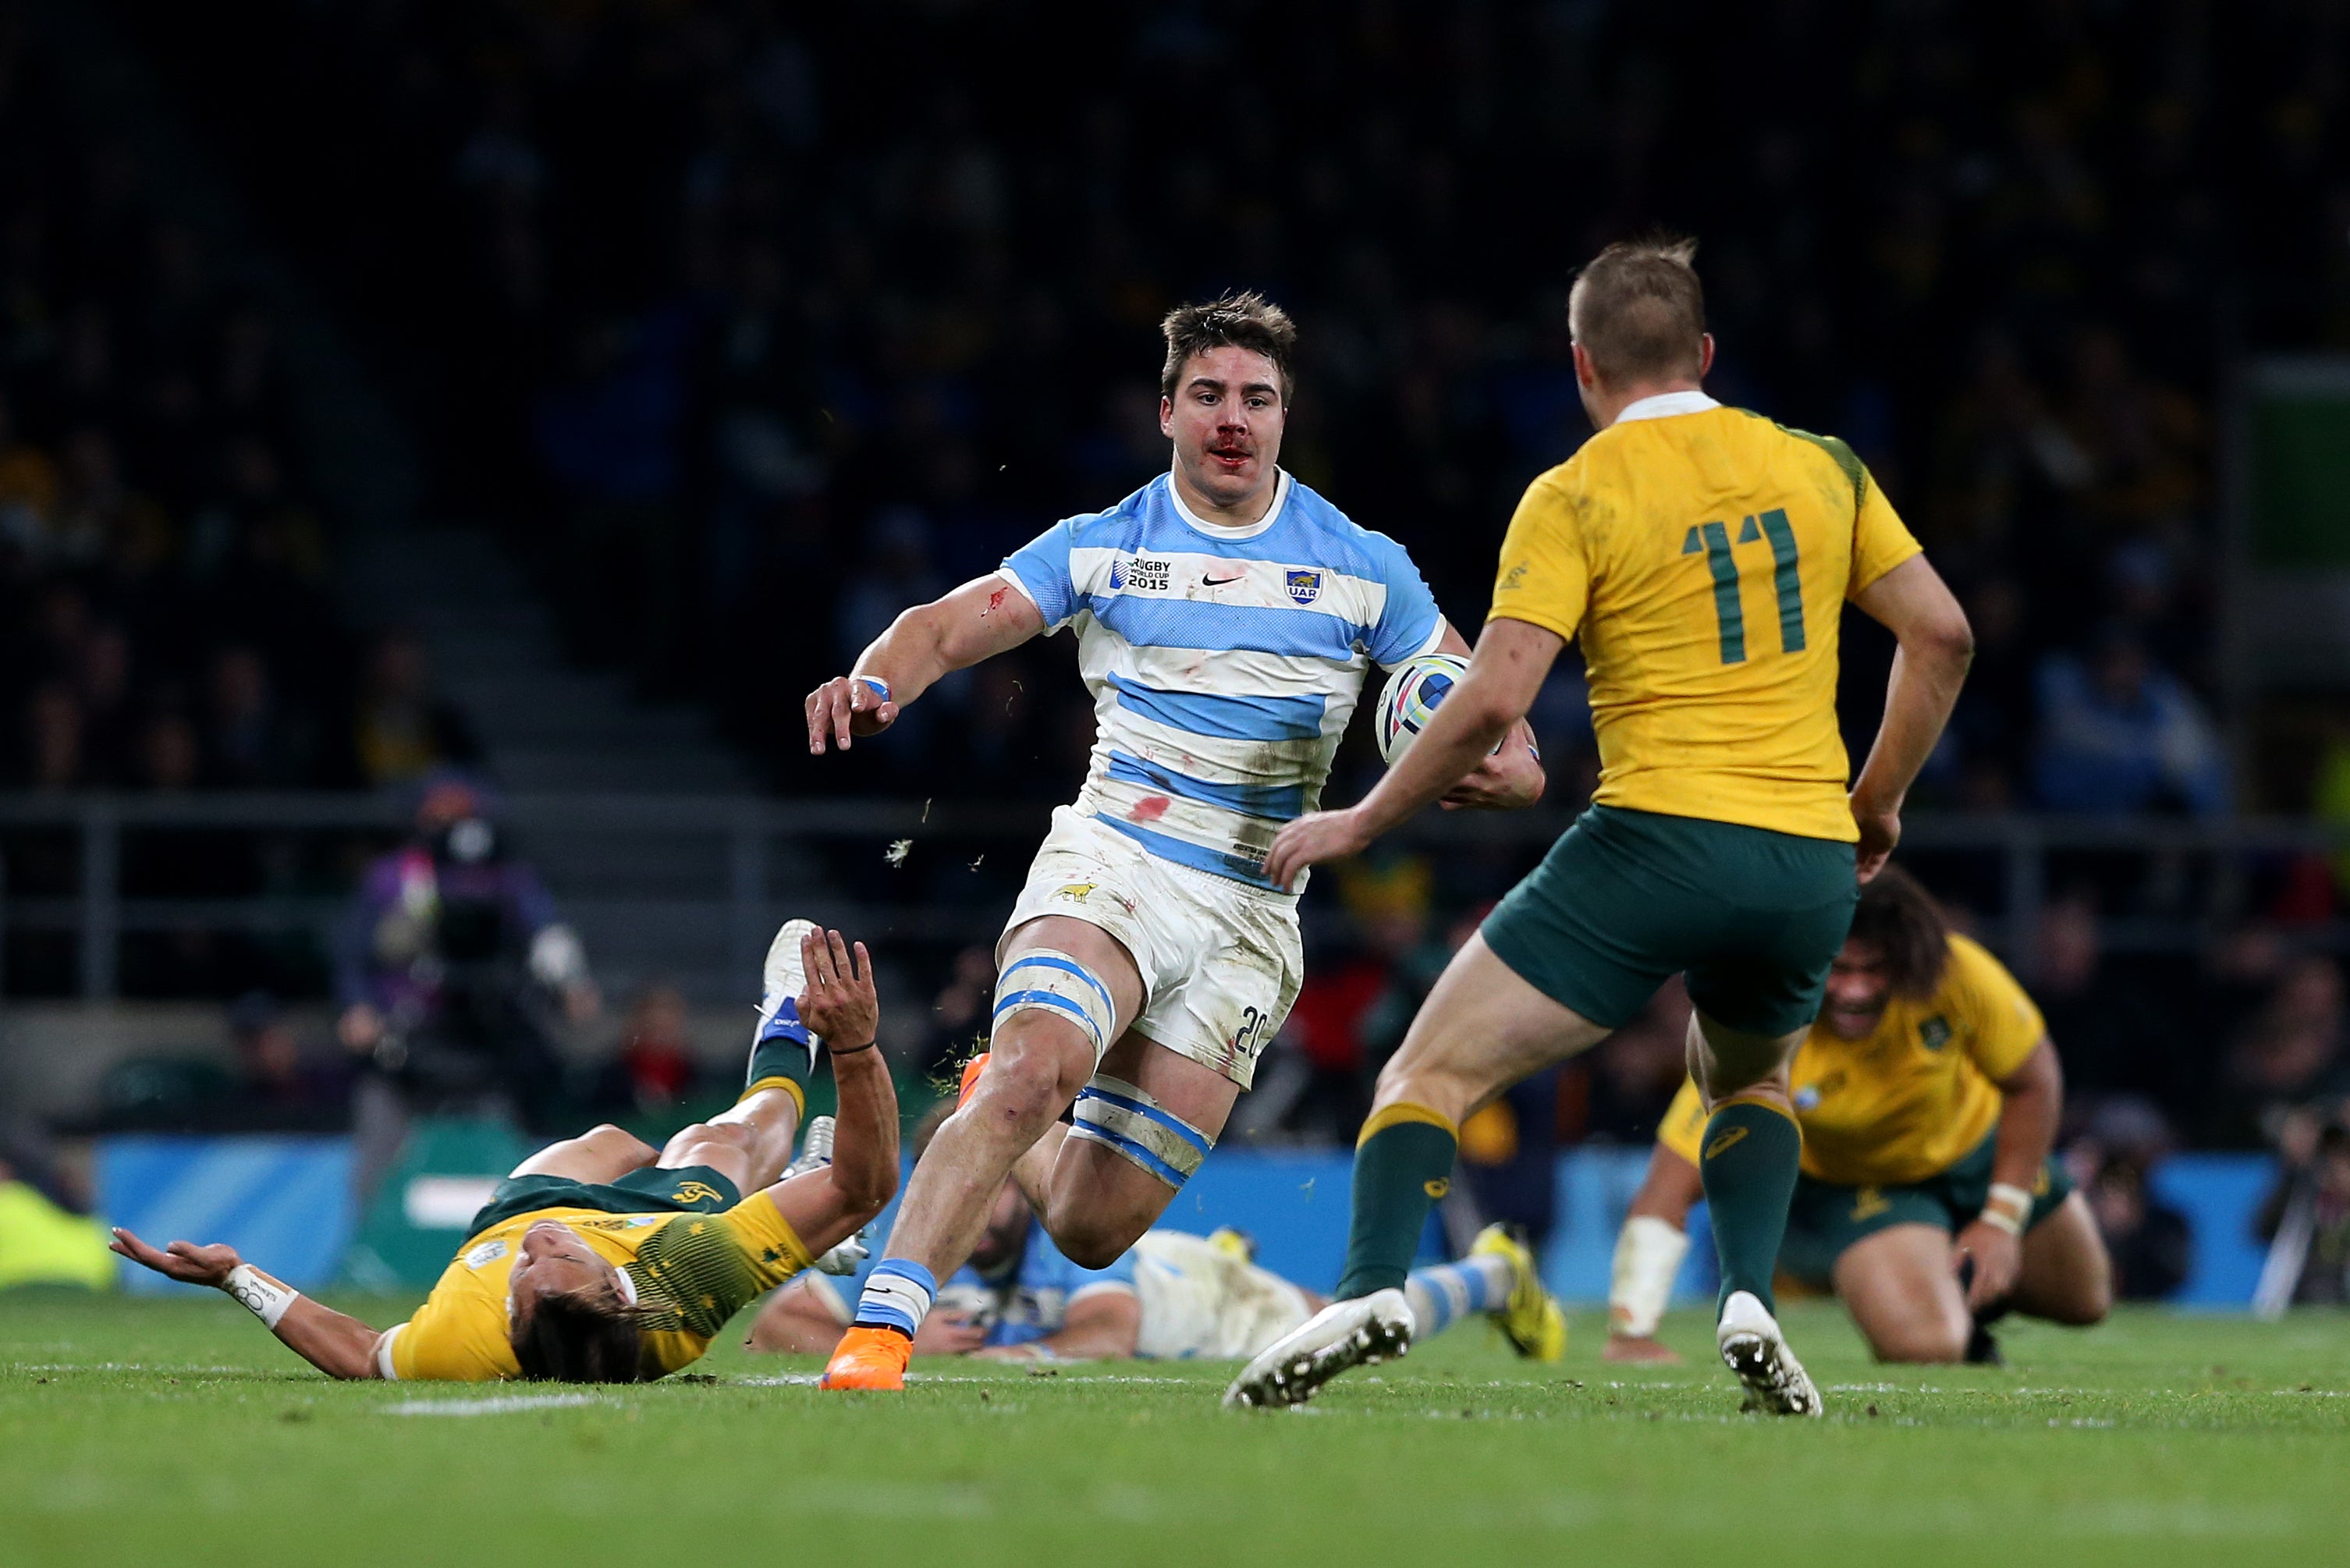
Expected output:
(1505, 674)
(1912, 602)
(1511, 777)
(826, 1206)
(986, 616)
(336, 1345)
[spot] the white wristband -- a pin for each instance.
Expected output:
(2007, 1206)
(259, 1294)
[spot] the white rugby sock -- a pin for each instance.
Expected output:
(898, 1294)
(1441, 1297)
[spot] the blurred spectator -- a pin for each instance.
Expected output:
(656, 1070)
(2289, 1058)
(2117, 734)
(402, 730)
(2149, 1242)
(280, 1085)
(451, 971)
(2109, 1030)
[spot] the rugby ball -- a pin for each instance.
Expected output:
(1413, 693)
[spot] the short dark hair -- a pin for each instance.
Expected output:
(587, 1335)
(1900, 920)
(1246, 320)
(1639, 312)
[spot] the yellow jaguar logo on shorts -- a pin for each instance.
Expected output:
(1438, 1188)
(697, 1192)
(1075, 892)
(1868, 1203)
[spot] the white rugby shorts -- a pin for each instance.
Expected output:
(1221, 961)
(1199, 1301)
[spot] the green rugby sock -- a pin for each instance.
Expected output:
(780, 1062)
(1749, 1163)
(1403, 1163)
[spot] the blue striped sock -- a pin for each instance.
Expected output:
(1441, 1297)
(898, 1294)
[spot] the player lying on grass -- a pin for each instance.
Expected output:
(1174, 1297)
(602, 1259)
(1226, 618)
(1928, 1096)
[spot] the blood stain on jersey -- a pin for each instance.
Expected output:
(1149, 809)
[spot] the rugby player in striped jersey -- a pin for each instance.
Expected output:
(1226, 618)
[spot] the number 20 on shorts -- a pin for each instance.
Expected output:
(1713, 541)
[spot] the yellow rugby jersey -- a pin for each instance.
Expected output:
(695, 1269)
(1704, 558)
(1913, 1098)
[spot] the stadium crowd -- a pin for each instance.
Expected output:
(164, 573)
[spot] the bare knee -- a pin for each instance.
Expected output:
(1031, 1080)
(1093, 1240)
(619, 1144)
(1926, 1342)
(731, 1135)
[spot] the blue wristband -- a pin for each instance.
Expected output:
(881, 687)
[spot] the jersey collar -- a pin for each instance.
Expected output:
(1226, 530)
(1665, 405)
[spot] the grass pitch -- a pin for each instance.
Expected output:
(146, 1431)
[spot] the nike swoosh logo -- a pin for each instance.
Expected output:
(1220, 582)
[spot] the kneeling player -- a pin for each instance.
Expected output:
(602, 1259)
(1928, 1096)
(1175, 1296)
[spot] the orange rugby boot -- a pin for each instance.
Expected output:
(869, 1358)
(970, 1070)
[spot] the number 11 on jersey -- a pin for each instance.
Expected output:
(1713, 540)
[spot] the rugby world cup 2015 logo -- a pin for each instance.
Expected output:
(1305, 587)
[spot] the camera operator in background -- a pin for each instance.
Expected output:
(451, 971)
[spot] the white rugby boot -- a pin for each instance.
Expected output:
(1754, 1348)
(782, 981)
(1360, 1333)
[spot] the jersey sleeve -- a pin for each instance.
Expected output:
(2006, 1023)
(1545, 577)
(1041, 569)
(1880, 540)
(1047, 1268)
(1683, 1128)
(454, 1338)
(1410, 623)
(773, 1249)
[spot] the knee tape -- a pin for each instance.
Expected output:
(1113, 1112)
(1057, 983)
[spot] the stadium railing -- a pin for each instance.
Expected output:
(712, 862)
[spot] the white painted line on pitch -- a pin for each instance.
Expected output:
(504, 1405)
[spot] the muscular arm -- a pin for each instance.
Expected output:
(826, 1206)
(1912, 602)
(2033, 1097)
(337, 1345)
(2033, 1105)
(1105, 1325)
(986, 616)
(1505, 674)
(1512, 777)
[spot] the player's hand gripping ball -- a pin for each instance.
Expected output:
(1419, 685)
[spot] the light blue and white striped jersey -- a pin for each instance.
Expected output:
(1223, 662)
